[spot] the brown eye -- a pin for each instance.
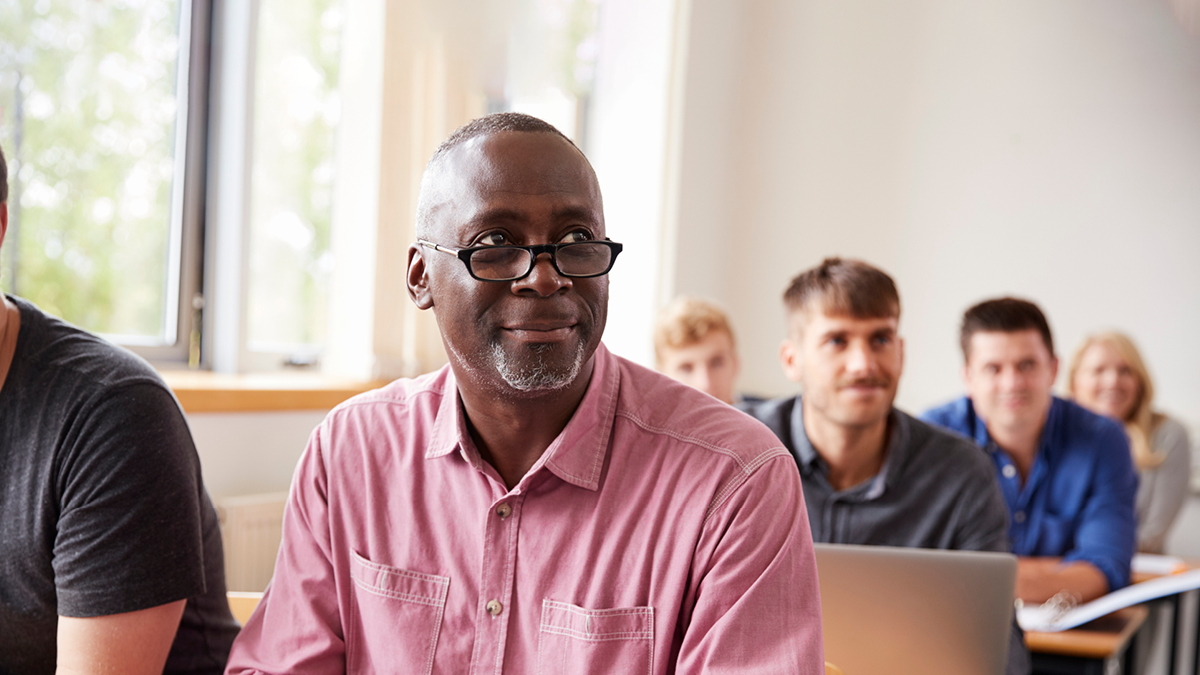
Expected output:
(492, 239)
(574, 236)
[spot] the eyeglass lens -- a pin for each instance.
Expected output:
(504, 262)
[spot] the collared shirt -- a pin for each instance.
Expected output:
(661, 532)
(934, 490)
(1078, 502)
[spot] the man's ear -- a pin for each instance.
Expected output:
(789, 358)
(417, 279)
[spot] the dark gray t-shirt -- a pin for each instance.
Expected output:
(102, 507)
(935, 489)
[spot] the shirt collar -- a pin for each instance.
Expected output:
(897, 447)
(975, 425)
(576, 455)
(1046, 446)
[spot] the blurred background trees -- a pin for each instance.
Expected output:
(87, 122)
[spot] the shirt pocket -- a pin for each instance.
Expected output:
(578, 641)
(396, 616)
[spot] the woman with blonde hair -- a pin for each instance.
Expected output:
(1108, 376)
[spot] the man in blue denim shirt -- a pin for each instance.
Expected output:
(1066, 473)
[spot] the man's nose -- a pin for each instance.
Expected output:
(543, 279)
(860, 359)
(1012, 379)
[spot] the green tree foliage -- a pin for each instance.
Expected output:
(87, 119)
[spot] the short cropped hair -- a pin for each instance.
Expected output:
(686, 321)
(845, 288)
(3, 178)
(483, 126)
(497, 123)
(1003, 315)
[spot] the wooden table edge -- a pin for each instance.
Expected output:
(1088, 642)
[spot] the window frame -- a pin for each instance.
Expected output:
(185, 252)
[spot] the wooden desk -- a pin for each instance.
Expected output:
(1090, 648)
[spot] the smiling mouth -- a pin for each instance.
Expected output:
(540, 332)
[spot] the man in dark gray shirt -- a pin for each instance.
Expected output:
(873, 474)
(110, 549)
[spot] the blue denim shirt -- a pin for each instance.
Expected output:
(1079, 500)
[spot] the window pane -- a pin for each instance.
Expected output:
(295, 116)
(87, 121)
(552, 61)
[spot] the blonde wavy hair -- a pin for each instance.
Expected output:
(1142, 420)
(686, 321)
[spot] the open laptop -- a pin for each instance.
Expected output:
(909, 611)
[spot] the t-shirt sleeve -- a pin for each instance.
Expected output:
(1106, 534)
(756, 606)
(129, 529)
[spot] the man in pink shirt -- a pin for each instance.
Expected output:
(539, 505)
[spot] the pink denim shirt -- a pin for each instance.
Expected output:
(661, 532)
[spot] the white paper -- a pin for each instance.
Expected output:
(1150, 563)
(1039, 619)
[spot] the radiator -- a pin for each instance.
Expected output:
(251, 527)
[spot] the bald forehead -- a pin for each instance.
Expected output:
(512, 163)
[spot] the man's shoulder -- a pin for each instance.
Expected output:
(770, 409)
(1080, 425)
(55, 350)
(659, 406)
(955, 414)
(936, 447)
(424, 392)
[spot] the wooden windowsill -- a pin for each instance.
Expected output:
(203, 391)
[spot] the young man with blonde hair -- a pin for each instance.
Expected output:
(694, 344)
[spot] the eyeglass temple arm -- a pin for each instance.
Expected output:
(436, 247)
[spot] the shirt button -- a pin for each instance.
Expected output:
(494, 608)
(1009, 471)
(504, 510)
(1019, 516)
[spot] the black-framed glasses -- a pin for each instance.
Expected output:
(578, 259)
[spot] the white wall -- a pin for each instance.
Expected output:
(626, 139)
(1049, 150)
(250, 453)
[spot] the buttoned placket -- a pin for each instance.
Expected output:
(841, 514)
(494, 605)
(1018, 496)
